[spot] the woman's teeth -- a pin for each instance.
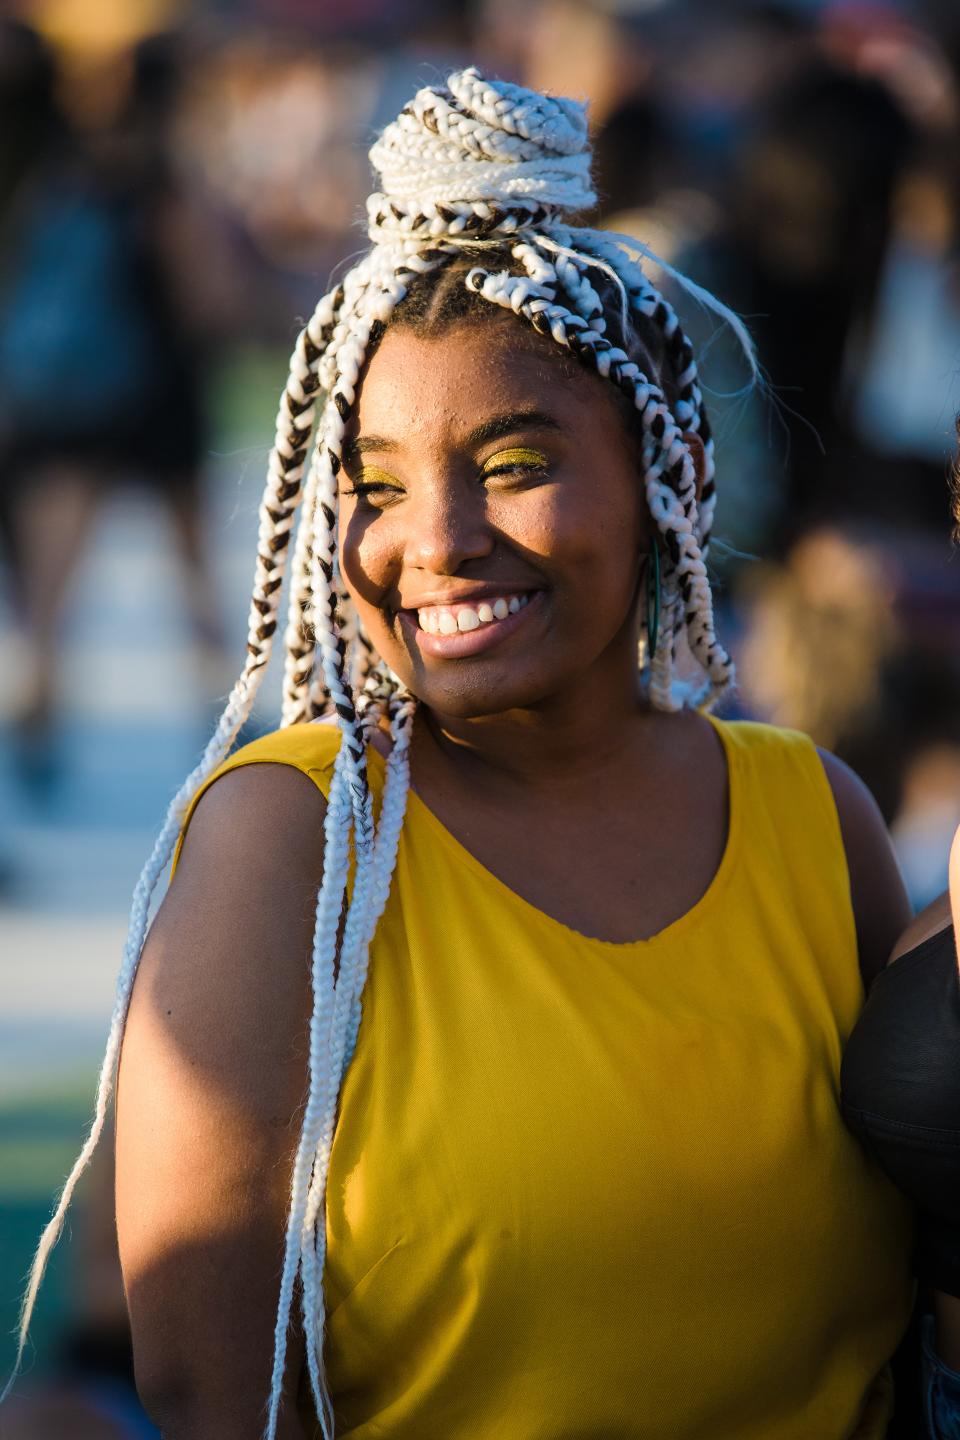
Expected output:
(448, 619)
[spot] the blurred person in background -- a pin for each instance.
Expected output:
(834, 646)
(809, 224)
(29, 122)
(854, 638)
(101, 362)
(901, 387)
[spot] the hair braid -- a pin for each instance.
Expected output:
(415, 230)
(344, 1027)
(300, 700)
(689, 409)
(298, 637)
(306, 692)
(337, 826)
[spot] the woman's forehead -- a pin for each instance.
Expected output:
(468, 373)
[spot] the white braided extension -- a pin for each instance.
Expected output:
(470, 168)
(299, 643)
(459, 154)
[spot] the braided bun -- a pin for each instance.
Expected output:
(478, 157)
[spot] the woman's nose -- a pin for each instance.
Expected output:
(447, 527)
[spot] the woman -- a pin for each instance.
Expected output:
(570, 1161)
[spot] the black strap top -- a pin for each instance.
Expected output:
(900, 1078)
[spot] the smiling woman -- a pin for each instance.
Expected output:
(480, 1077)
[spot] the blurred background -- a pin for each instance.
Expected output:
(177, 185)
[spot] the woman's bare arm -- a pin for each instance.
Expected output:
(212, 1080)
(947, 1307)
(927, 922)
(878, 895)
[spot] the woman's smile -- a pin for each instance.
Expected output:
(452, 632)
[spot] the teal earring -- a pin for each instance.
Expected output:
(653, 600)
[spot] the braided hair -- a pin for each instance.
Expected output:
(476, 179)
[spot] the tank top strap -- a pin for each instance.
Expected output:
(785, 797)
(778, 766)
(793, 856)
(310, 748)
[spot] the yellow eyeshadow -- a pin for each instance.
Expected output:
(373, 475)
(519, 456)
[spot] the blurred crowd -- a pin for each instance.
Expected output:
(175, 182)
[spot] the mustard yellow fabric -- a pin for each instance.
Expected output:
(594, 1191)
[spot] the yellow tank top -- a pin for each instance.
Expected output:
(593, 1191)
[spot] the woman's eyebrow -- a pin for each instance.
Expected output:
(500, 425)
(493, 429)
(363, 444)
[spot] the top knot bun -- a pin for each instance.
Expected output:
(476, 157)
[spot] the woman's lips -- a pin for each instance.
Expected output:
(462, 644)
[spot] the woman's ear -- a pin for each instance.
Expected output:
(695, 445)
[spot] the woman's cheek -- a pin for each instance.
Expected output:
(365, 559)
(541, 523)
(582, 543)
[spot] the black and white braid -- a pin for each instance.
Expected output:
(689, 409)
(469, 167)
(299, 641)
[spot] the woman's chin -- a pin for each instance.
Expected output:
(467, 703)
(468, 695)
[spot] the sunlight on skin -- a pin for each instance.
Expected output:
(947, 1307)
(184, 1121)
(211, 1085)
(935, 917)
(955, 882)
(169, 1091)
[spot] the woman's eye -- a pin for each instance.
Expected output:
(519, 462)
(375, 486)
(368, 487)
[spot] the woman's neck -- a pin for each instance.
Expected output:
(580, 733)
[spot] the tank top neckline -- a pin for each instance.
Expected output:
(699, 910)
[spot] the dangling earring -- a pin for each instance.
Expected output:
(653, 599)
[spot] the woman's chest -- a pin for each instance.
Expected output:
(534, 1146)
(618, 865)
(508, 1072)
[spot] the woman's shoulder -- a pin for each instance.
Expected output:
(311, 746)
(778, 756)
(881, 906)
(261, 797)
(777, 773)
(759, 739)
(823, 809)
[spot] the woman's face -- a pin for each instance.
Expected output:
(491, 518)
